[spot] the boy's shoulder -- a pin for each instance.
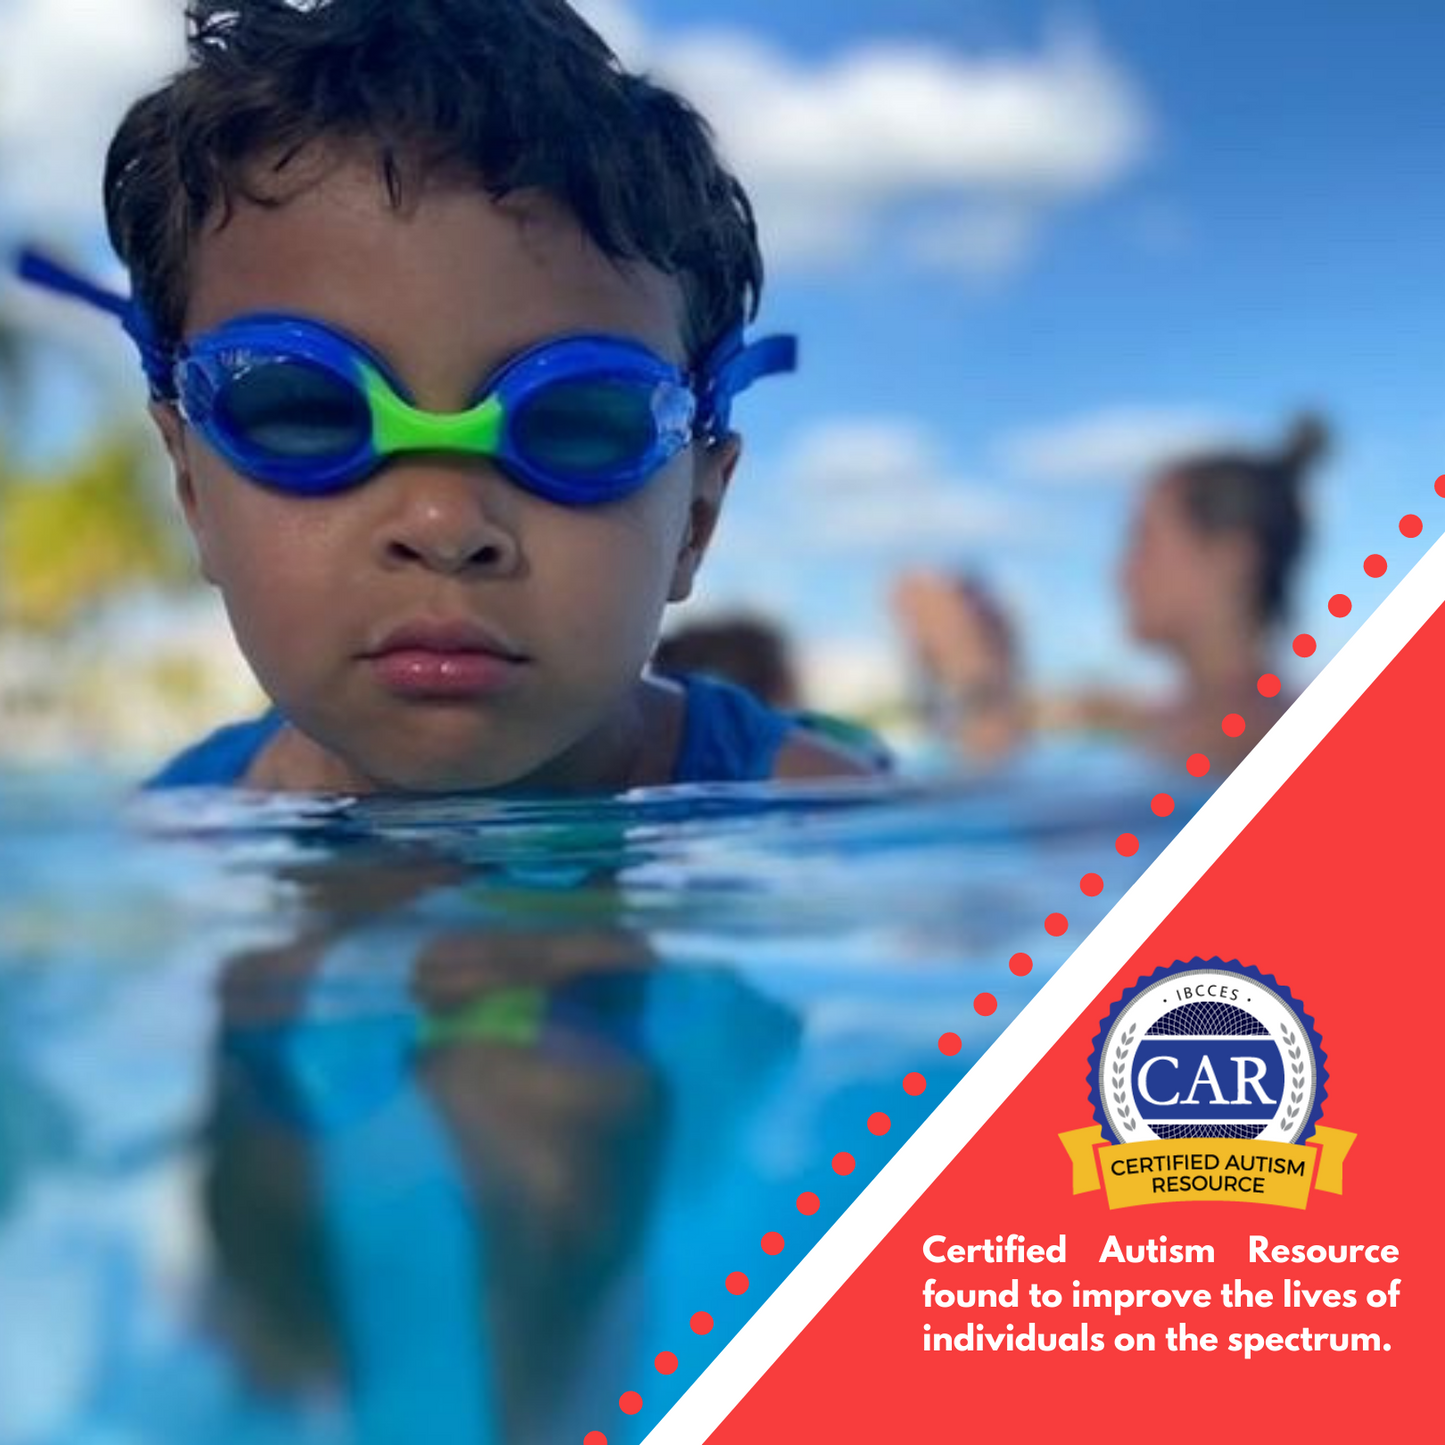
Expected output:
(731, 736)
(221, 759)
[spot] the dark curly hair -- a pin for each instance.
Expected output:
(512, 93)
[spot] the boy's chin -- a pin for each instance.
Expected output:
(441, 775)
(446, 750)
(399, 763)
(484, 765)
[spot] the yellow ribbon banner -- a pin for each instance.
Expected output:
(1244, 1171)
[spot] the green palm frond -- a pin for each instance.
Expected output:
(72, 541)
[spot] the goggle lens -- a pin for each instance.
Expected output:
(293, 410)
(586, 428)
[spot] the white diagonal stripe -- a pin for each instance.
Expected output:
(1055, 1007)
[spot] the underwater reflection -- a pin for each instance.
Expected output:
(433, 1149)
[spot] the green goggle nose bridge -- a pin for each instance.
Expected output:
(397, 426)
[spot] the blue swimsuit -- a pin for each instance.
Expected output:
(728, 736)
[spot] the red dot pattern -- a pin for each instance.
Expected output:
(666, 1363)
(1161, 804)
(879, 1124)
(1233, 725)
(1091, 885)
(1126, 845)
(808, 1202)
(1340, 605)
(701, 1323)
(1197, 765)
(1020, 965)
(630, 1403)
(594, 1437)
(985, 1004)
(914, 1084)
(844, 1162)
(1440, 486)
(1304, 645)
(950, 1044)
(1375, 565)
(1269, 685)
(772, 1242)
(737, 1282)
(1411, 525)
(1056, 925)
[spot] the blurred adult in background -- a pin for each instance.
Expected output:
(1206, 578)
(749, 651)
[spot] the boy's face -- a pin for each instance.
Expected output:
(446, 291)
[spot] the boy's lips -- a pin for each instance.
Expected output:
(444, 660)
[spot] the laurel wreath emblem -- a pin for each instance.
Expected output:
(1295, 1049)
(1118, 1084)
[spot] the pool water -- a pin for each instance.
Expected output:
(419, 1120)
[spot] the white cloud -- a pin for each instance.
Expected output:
(68, 71)
(830, 149)
(887, 119)
(883, 488)
(1116, 445)
(979, 242)
(837, 457)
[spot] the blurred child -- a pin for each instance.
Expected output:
(746, 651)
(1206, 578)
(443, 315)
(754, 655)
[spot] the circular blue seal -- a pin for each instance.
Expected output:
(1207, 1050)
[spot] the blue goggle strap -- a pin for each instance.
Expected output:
(732, 367)
(157, 360)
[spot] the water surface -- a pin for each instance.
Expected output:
(436, 1121)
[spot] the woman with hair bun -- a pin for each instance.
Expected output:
(1206, 577)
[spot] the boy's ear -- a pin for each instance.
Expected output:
(713, 469)
(173, 434)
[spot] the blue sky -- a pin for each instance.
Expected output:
(1276, 244)
(1029, 249)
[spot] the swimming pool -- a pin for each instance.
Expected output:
(418, 1121)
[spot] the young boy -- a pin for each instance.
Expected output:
(442, 313)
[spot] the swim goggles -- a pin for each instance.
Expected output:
(299, 406)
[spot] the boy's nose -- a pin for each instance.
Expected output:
(445, 518)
